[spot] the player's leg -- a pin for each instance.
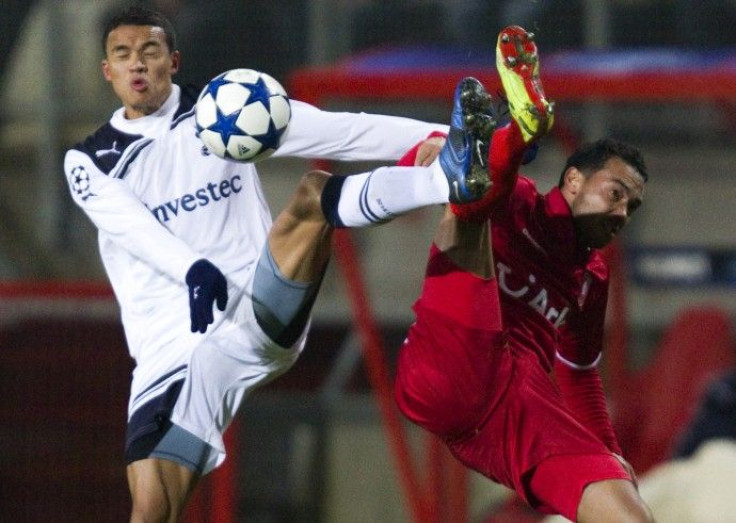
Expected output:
(454, 350)
(466, 244)
(452, 353)
(596, 486)
(614, 501)
(164, 461)
(517, 62)
(459, 174)
(159, 490)
(292, 263)
(514, 144)
(299, 243)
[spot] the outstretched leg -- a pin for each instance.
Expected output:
(455, 348)
(450, 354)
(517, 62)
(299, 243)
(466, 243)
(532, 116)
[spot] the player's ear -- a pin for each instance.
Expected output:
(106, 70)
(573, 180)
(175, 60)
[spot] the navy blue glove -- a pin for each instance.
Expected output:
(206, 284)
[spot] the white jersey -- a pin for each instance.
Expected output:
(161, 201)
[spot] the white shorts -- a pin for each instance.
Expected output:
(203, 393)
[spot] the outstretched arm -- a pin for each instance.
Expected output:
(314, 133)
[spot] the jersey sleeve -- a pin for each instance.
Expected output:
(582, 390)
(581, 337)
(346, 136)
(115, 210)
(576, 365)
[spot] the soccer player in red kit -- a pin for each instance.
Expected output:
(514, 293)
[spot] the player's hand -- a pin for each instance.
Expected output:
(206, 285)
(627, 466)
(428, 150)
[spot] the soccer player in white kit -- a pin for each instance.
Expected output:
(182, 231)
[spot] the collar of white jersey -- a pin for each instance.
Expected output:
(145, 124)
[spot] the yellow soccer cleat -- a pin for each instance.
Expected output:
(517, 62)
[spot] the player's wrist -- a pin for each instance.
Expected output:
(198, 269)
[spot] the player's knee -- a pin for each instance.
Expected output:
(307, 201)
(159, 489)
(150, 505)
(617, 500)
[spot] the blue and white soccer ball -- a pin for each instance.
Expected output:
(242, 115)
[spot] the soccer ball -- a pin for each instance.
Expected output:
(242, 114)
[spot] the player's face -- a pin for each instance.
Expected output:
(603, 202)
(139, 65)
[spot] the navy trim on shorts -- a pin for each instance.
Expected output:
(150, 423)
(159, 380)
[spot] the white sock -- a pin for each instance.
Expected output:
(379, 196)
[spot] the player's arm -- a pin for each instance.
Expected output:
(582, 390)
(314, 133)
(576, 367)
(114, 209)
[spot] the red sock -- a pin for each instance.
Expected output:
(504, 158)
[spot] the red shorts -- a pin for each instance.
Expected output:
(496, 408)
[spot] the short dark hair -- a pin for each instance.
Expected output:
(593, 156)
(139, 15)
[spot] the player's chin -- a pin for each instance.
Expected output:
(146, 107)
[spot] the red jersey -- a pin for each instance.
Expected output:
(553, 293)
(498, 409)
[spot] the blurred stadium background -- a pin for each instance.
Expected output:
(322, 444)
